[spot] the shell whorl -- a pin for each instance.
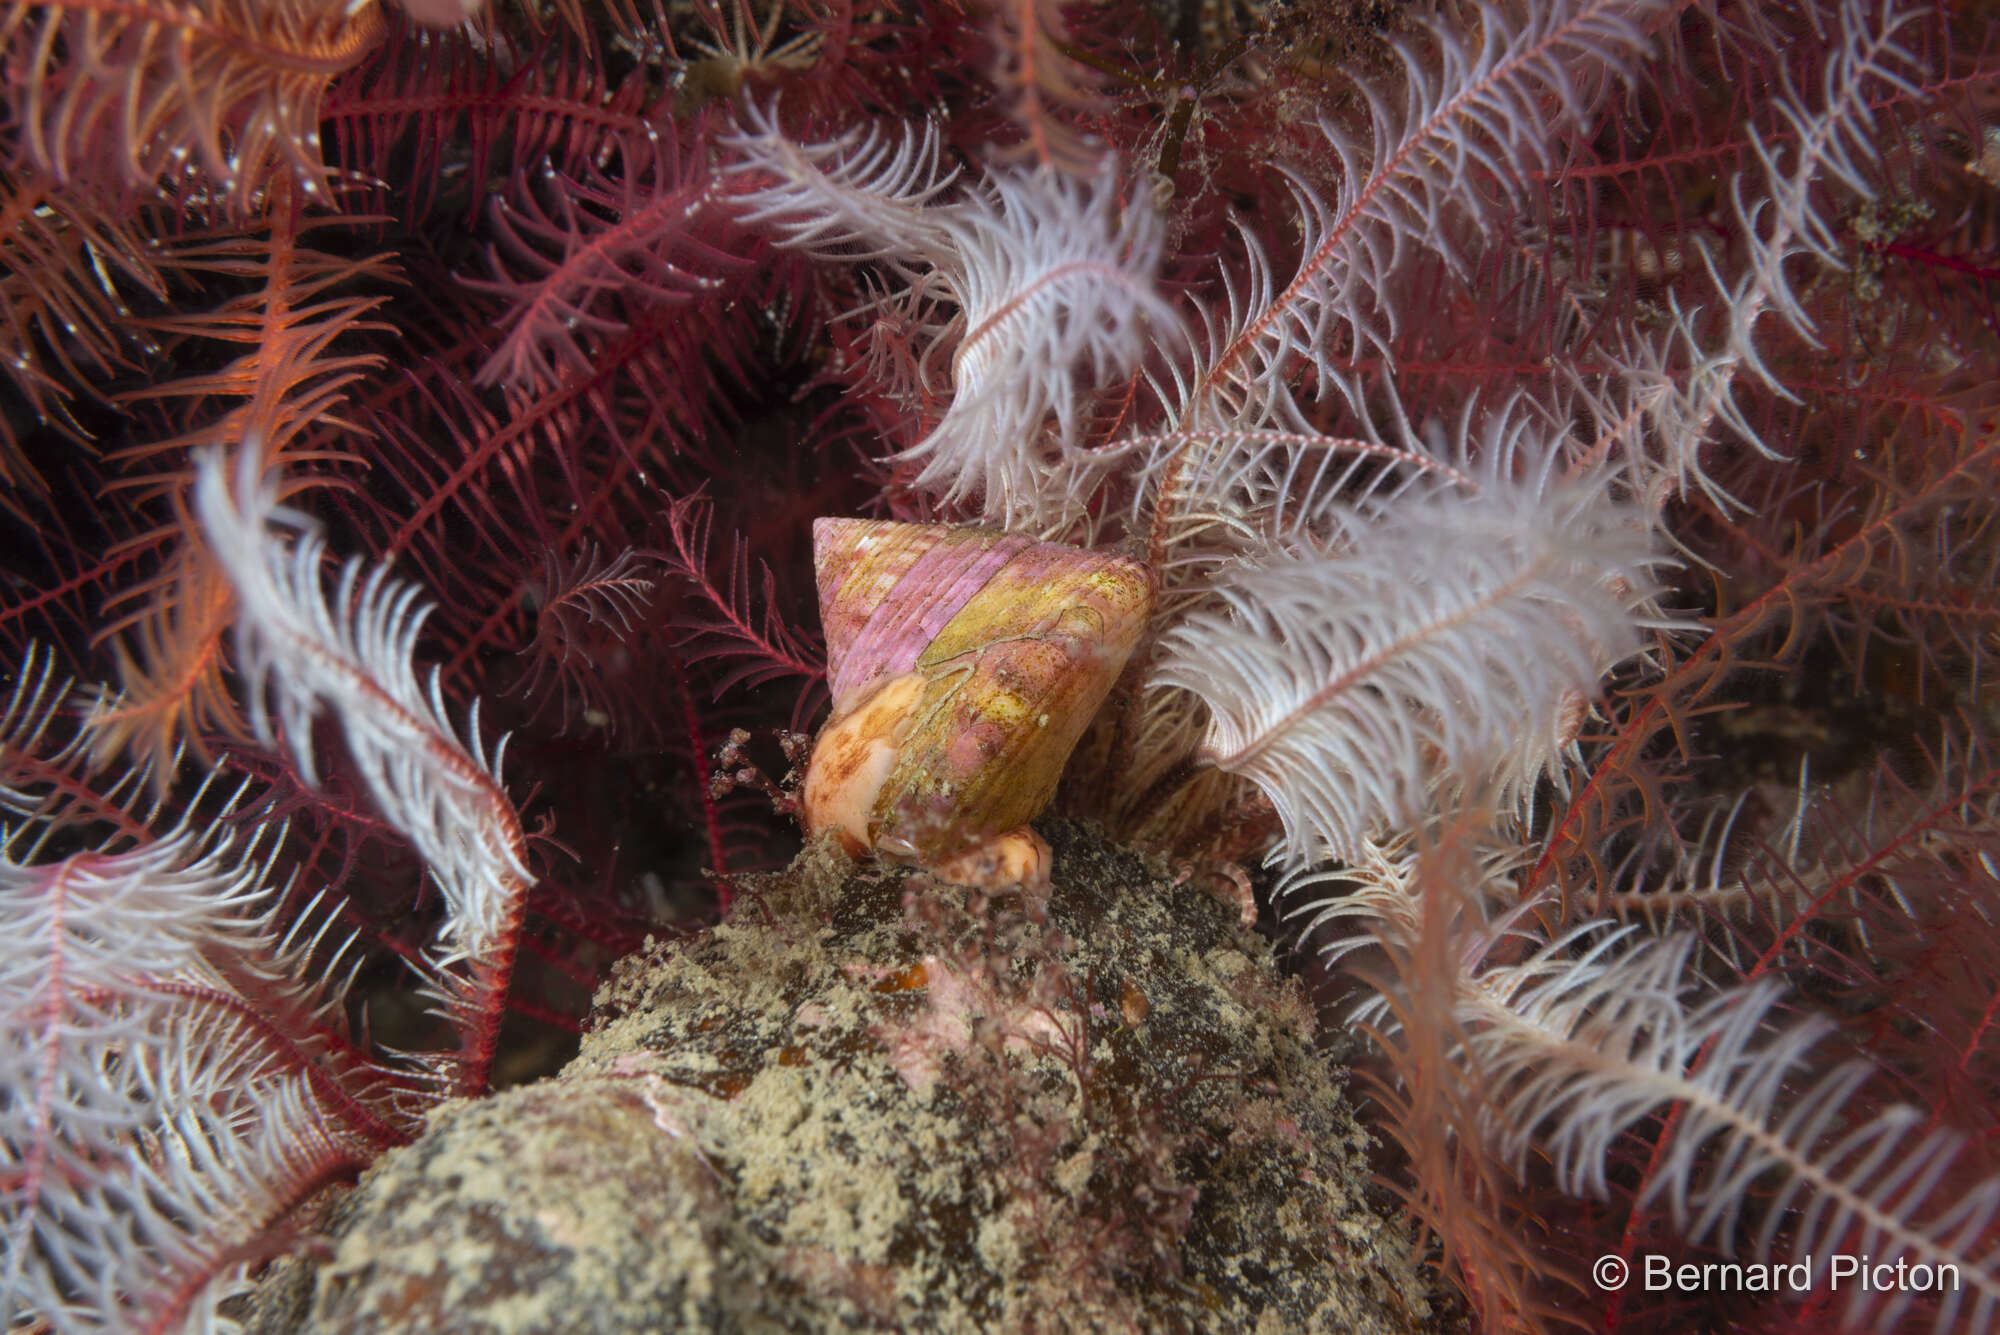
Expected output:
(964, 666)
(886, 589)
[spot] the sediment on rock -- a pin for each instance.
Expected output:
(869, 1100)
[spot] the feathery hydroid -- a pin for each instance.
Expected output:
(1442, 636)
(299, 651)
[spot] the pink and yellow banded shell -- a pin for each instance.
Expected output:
(964, 665)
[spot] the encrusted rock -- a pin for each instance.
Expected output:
(872, 1101)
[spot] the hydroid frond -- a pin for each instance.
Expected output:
(1039, 289)
(177, 1072)
(293, 373)
(864, 194)
(1421, 187)
(1416, 928)
(33, 700)
(300, 650)
(67, 264)
(755, 640)
(1436, 640)
(574, 252)
(583, 605)
(1050, 88)
(1054, 281)
(1562, 1050)
(1475, 121)
(151, 92)
(47, 778)
(1577, 1051)
(1687, 382)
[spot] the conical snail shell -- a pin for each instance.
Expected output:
(964, 665)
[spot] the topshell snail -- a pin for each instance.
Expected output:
(964, 666)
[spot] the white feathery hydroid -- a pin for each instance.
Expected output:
(300, 650)
(1438, 637)
(1039, 290)
(173, 1082)
(1685, 385)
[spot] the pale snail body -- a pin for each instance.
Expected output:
(965, 665)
